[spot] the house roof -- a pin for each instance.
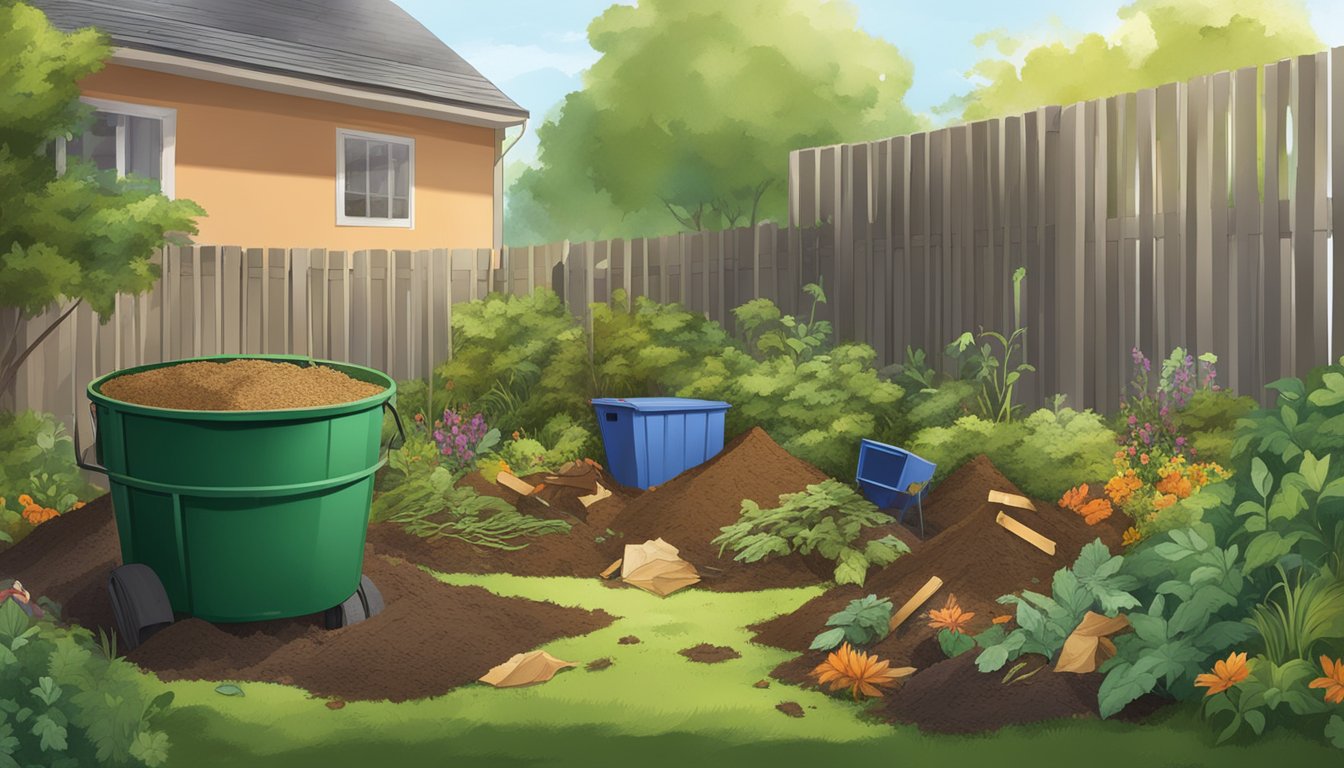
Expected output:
(368, 44)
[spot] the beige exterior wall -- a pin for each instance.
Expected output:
(263, 165)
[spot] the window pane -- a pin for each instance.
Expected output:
(378, 164)
(144, 147)
(377, 207)
(400, 208)
(100, 142)
(355, 205)
(401, 169)
(356, 166)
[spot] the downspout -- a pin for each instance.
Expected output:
(499, 185)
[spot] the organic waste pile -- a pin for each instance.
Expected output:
(403, 653)
(238, 385)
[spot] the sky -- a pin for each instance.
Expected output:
(536, 50)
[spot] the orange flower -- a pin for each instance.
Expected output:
(78, 505)
(1130, 537)
(861, 673)
(1095, 511)
(1074, 497)
(25, 500)
(1175, 484)
(1121, 487)
(515, 434)
(1333, 682)
(1004, 619)
(36, 515)
(1226, 673)
(1163, 501)
(1143, 458)
(950, 616)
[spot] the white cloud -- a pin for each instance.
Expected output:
(502, 62)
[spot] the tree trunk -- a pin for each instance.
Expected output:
(9, 369)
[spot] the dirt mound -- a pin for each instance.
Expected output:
(977, 560)
(790, 708)
(710, 654)
(430, 638)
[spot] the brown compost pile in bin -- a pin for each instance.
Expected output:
(430, 638)
(238, 385)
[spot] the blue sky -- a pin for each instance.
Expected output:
(536, 50)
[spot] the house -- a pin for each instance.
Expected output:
(298, 123)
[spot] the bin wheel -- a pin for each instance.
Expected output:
(366, 603)
(139, 603)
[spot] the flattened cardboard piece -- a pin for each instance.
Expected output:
(1090, 644)
(611, 569)
(922, 596)
(583, 477)
(654, 566)
(1026, 534)
(525, 669)
(1011, 500)
(601, 493)
(637, 555)
(514, 483)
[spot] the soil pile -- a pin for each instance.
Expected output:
(976, 558)
(710, 654)
(431, 637)
(238, 385)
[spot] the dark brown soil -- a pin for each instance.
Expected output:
(430, 638)
(239, 385)
(710, 654)
(790, 708)
(761, 684)
(597, 665)
(629, 640)
(977, 560)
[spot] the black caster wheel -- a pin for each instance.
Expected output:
(139, 603)
(366, 603)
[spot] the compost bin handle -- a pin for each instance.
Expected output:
(79, 455)
(400, 437)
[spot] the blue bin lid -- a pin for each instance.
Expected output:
(661, 404)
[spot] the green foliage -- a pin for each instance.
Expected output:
(828, 518)
(1302, 615)
(518, 359)
(568, 441)
(429, 504)
(1334, 731)
(769, 333)
(656, 349)
(85, 235)
(1043, 454)
(1210, 419)
(862, 622)
(1156, 42)
(1045, 622)
(65, 703)
(1266, 688)
(954, 644)
(37, 459)
(701, 143)
(1194, 591)
(996, 376)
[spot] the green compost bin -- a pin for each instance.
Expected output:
(245, 515)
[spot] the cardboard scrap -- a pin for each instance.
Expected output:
(925, 592)
(654, 566)
(1026, 534)
(611, 569)
(592, 498)
(514, 483)
(1011, 500)
(1090, 644)
(525, 669)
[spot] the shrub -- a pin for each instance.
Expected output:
(862, 622)
(1210, 420)
(651, 350)
(827, 518)
(37, 461)
(67, 701)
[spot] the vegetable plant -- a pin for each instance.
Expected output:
(862, 622)
(827, 518)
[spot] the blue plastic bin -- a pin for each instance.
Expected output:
(886, 473)
(650, 440)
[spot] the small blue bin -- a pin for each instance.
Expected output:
(650, 440)
(886, 472)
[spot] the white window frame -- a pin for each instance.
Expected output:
(167, 118)
(343, 220)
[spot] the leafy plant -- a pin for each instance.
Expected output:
(951, 621)
(862, 622)
(860, 672)
(997, 375)
(650, 349)
(1045, 622)
(64, 703)
(770, 333)
(429, 504)
(1255, 690)
(827, 518)
(461, 440)
(1304, 615)
(37, 462)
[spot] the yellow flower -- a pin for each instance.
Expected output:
(1226, 674)
(1333, 682)
(1130, 537)
(25, 500)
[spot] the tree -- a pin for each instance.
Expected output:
(694, 105)
(82, 236)
(1158, 41)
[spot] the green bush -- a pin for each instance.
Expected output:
(36, 459)
(66, 702)
(653, 350)
(1210, 419)
(1044, 454)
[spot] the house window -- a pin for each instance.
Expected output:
(375, 179)
(131, 139)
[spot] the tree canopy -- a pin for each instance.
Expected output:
(687, 118)
(1158, 41)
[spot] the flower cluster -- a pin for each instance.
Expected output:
(457, 437)
(35, 513)
(1093, 511)
(1176, 479)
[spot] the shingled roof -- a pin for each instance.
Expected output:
(367, 44)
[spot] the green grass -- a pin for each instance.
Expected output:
(654, 708)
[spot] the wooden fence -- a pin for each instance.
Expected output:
(1195, 214)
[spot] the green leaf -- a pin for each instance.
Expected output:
(1333, 392)
(229, 689)
(851, 567)
(1260, 477)
(150, 748)
(51, 733)
(829, 639)
(1256, 719)
(1314, 471)
(1268, 547)
(1334, 731)
(954, 643)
